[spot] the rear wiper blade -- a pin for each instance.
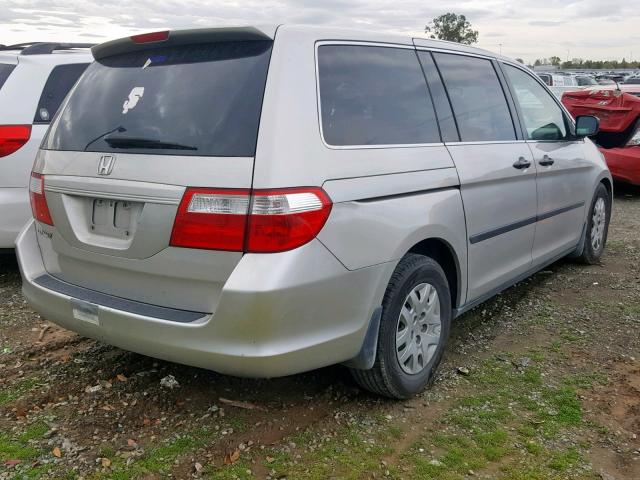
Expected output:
(136, 142)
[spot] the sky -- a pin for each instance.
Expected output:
(527, 29)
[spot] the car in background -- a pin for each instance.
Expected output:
(618, 108)
(633, 80)
(34, 79)
(605, 81)
(559, 82)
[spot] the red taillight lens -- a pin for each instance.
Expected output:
(211, 219)
(259, 221)
(39, 205)
(285, 219)
(12, 137)
(150, 37)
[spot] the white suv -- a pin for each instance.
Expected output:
(34, 79)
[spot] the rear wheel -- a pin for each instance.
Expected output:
(597, 226)
(414, 328)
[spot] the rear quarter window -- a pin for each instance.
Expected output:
(5, 71)
(60, 81)
(374, 96)
(477, 98)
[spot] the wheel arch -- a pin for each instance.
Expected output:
(443, 253)
(608, 184)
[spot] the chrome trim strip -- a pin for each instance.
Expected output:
(112, 196)
(486, 142)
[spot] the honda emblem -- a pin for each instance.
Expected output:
(105, 165)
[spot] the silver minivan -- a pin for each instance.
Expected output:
(262, 202)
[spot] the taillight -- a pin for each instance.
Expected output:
(260, 221)
(211, 219)
(285, 219)
(12, 137)
(150, 37)
(39, 205)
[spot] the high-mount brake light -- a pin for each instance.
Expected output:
(150, 37)
(13, 137)
(39, 205)
(258, 221)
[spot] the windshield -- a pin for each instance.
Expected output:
(202, 99)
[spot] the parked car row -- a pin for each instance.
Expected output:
(262, 202)
(561, 82)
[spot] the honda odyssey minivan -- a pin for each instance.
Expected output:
(262, 202)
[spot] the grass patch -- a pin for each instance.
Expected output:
(22, 447)
(14, 392)
(507, 426)
(348, 454)
(158, 460)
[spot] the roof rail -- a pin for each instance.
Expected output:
(43, 48)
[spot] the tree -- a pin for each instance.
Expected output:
(519, 60)
(452, 27)
(555, 61)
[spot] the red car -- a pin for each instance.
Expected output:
(618, 109)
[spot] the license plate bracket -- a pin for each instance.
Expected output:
(114, 218)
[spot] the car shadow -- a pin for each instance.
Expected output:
(8, 262)
(625, 191)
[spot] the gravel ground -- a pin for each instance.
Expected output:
(541, 382)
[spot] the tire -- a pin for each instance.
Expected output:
(389, 377)
(592, 250)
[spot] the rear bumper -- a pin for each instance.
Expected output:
(278, 314)
(624, 163)
(14, 213)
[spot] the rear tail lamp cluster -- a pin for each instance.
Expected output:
(12, 137)
(258, 221)
(39, 205)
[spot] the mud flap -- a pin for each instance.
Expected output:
(580, 248)
(367, 356)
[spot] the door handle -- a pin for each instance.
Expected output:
(522, 163)
(546, 161)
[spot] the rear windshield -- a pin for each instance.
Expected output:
(5, 71)
(200, 99)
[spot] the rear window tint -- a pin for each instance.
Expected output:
(478, 101)
(60, 81)
(374, 96)
(5, 71)
(202, 99)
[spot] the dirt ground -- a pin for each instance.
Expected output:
(541, 382)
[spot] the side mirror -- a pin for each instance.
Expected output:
(587, 126)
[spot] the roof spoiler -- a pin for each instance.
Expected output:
(146, 41)
(44, 48)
